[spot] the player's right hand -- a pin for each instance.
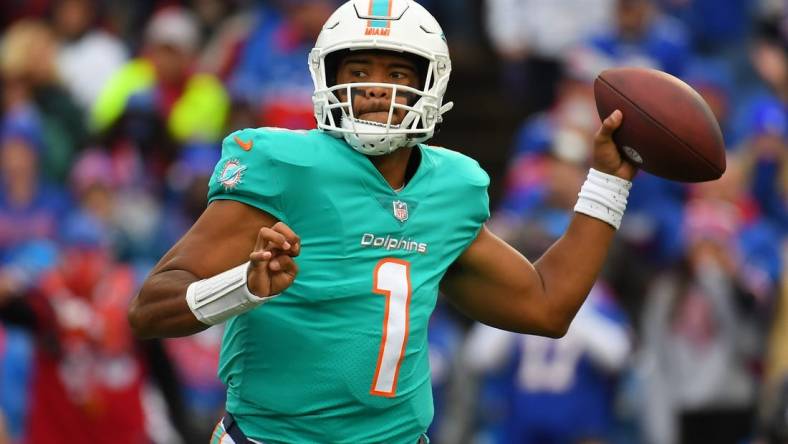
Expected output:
(606, 156)
(271, 265)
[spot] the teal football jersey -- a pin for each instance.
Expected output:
(341, 356)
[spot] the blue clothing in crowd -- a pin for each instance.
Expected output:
(665, 45)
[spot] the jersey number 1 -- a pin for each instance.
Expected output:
(392, 280)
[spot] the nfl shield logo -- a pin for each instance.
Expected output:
(400, 210)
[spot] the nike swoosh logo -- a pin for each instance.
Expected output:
(246, 146)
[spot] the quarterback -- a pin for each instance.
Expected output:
(323, 251)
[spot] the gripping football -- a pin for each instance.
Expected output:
(668, 129)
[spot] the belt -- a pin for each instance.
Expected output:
(235, 432)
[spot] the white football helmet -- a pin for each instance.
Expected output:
(401, 26)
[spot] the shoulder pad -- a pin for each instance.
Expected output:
(461, 166)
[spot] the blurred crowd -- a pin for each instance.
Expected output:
(111, 119)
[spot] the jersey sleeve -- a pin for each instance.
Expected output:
(468, 204)
(248, 173)
(478, 203)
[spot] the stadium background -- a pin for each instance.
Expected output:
(110, 122)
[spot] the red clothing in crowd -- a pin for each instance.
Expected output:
(87, 381)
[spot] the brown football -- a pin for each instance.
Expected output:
(668, 129)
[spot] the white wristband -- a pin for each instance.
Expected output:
(218, 298)
(604, 197)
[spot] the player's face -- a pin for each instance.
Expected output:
(373, 103)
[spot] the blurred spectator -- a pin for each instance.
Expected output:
(714, 81)
(532, 36)
(19, 274)
(762, 122)
(28, 64)
(768, 55)
(87, 380)
(187, 182)
(224, 47)
(211, 14)
(765, 154)
(558, 391)
(648, 234)
(642, 36)
(161, 88)
(720, 31)
(30, 207)
(88, 55)
(716, 26)
(128, 212)
(703, 325)
(93, 182)
(756, 247)
(196, 362)
(270, 79)
(768, 58)
(28, 59)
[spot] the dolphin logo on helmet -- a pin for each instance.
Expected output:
(401, 26)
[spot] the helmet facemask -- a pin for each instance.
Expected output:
(405, 28)
(420, 108)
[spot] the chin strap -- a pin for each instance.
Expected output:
(445, 108)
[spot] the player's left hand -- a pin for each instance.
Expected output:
(271, 265)
(606, 156)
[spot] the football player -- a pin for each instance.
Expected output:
(346, 233)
